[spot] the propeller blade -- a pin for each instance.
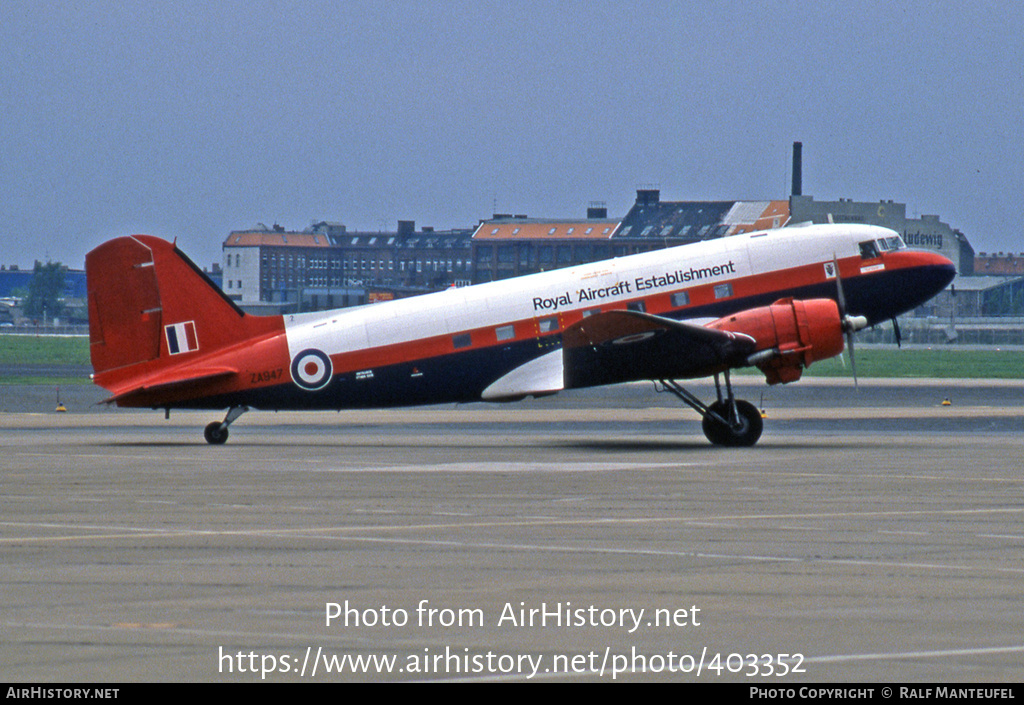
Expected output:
(853, 359)
(850, 324)
(839, 287)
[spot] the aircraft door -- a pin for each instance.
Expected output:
(546, 329)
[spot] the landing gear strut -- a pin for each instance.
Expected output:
(216, 432)
(727, 422)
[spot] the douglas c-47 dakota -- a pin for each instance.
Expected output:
(163, 336)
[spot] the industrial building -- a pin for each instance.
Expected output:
(270, 270)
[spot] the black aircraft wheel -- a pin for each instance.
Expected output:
(745, 433)
(215, 435)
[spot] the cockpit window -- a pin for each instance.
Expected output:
(890, 243)
(868, 249)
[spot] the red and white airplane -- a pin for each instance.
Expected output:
(163, 336)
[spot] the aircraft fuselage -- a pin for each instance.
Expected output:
(455, 345)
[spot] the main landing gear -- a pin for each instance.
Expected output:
(216, 432)
(727, 422)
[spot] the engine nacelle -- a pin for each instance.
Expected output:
(790, 335)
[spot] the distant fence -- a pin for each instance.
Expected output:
(82, 330)
(994, 331)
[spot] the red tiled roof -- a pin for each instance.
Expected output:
(267, 238)
(544, 230)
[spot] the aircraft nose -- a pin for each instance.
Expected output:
(929, 273)
(911, 278)
(940, 270)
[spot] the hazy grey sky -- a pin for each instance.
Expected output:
(189, 120)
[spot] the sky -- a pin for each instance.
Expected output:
(188, 120)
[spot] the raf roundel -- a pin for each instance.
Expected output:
(311, 369)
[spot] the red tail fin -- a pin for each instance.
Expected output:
(150, 307)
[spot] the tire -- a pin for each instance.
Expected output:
(214, 434)
(745, 434)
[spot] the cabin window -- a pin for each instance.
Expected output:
(723, 291)
(505, 333)
(591, 312)
(680, 298)
(638, 306)
(462, 340)
(547, 325)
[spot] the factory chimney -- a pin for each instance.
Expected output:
(798, 149)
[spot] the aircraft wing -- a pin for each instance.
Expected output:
(624, 346)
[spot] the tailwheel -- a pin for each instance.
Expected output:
(216, 433)
(736, 424)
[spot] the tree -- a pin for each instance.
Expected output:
(46, 291)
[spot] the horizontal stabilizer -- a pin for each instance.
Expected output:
(181, 380)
